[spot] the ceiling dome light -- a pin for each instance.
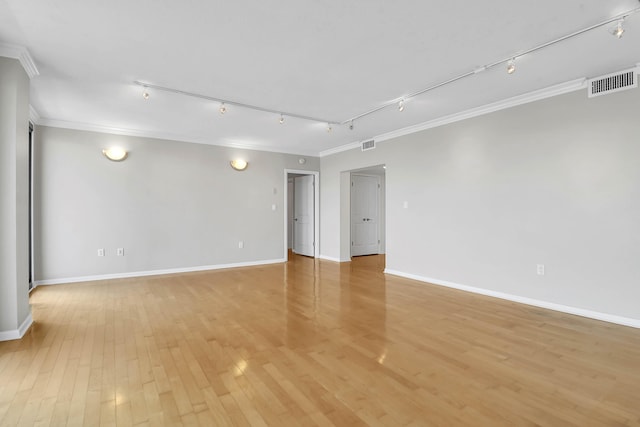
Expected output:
(618, 30)
(115, 154)
(223, 108)
(401, 105)
(145, 93)
(281, 119)
(511, 66)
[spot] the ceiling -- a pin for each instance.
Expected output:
(327, 59)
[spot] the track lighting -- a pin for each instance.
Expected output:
(618, 30)
(510, 61)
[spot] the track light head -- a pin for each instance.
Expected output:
(511, 66)
(351, 125)
(329, 128)
(281, 121)
(145, 93)
(401, 105)
(223, 108)
(618, 30)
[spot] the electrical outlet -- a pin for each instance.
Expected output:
(120, 251)
(101, 252)
(540, 269)
(240, 244)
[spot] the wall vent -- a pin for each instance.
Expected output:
(614, 82)
(368, 145)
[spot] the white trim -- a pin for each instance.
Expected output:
(611, 318)
(155, 272)
(90, 127)
(22, 55)
(340, 149)
(330, 258)
(16, 334)
(316, 209)
(560, 89)
(33, 115)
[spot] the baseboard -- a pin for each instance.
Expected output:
(155, 272)
(16, 334)
(330, 258)
(619, 320)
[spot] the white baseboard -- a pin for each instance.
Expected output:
(611, 318)
(16, 334)
(155, 272)
(329, 258)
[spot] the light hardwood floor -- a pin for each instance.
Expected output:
(310, 343)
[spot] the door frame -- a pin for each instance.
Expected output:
(316, 210)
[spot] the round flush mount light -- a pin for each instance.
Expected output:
(115, 154)
(239, 164)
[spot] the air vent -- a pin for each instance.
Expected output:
(368, 145)
(614, 82)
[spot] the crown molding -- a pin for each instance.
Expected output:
(346, 147)
(90, 127)
(22, 55)
(537, 95)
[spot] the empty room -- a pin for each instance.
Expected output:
(297, 213)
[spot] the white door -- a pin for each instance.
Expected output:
(365, 192)
(303, 220)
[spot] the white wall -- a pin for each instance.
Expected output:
(170, 205)
(14, 199)
(555, 182)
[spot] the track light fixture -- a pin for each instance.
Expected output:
(618, 30)
(224, 102)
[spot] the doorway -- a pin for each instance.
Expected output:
(301, 215)
(365, 213)
(365, 222)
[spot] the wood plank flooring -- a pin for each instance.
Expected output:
(310, 343)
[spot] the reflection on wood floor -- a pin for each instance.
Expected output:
(310, 342)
